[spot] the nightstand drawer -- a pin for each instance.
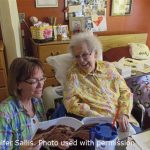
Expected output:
(44, 50)
(2, 78)
(51, 50)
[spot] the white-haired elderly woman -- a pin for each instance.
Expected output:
(94, 87)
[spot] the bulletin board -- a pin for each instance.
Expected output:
(90, 12)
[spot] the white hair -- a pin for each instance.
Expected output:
(91, 40)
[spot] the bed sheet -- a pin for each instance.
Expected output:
(140, 87)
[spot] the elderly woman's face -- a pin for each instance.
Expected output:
(84, 57)
(34, 85)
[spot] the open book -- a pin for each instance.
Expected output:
(68, 127)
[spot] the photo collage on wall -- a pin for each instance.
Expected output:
(86, 15)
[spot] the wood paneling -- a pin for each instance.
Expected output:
(3, 75)
(111, 41)
(42, 51)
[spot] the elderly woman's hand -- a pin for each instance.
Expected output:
(123, 121)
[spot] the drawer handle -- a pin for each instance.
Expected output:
(57, 53)
(53, 70)
(51, 54)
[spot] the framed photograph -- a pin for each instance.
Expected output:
(88, 23)
(46, 3)
(76, 24)
(121, 7)
(61, 30)
(64, 31)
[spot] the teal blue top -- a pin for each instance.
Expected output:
(15, 123)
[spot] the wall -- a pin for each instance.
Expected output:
(137, 22)
(10, 26)
(28, 7)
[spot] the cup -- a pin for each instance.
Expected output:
(104, 137)
(122, 135)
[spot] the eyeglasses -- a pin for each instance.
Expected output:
(35, 81)
(84, 56)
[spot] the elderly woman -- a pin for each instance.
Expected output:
(94, 87)
(23, 109)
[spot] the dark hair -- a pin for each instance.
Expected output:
(20, 70)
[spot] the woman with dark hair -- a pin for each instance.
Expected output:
(21, 112)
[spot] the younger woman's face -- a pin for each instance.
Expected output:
(33, 87)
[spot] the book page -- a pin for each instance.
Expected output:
(143, 140)
(56, 128)
(94, 120)
(67, 121)
(133, 147)
(88, 123)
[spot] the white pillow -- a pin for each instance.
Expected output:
(139, 51)
(61, 64)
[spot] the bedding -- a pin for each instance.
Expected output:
(140, 87)
(139, 51)
(50, 94)
(55, 48)
(115, 47)
(60, 63)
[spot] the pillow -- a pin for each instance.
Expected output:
(139, 51)
(115, 54)
(60, 63)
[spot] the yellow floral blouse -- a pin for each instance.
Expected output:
(100, 93)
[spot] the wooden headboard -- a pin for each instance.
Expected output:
(43, 50)
(111, 41)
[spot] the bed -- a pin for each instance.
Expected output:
(114, 47)
(44, 50)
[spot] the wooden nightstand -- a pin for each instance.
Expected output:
(3, 75)
(43, 50)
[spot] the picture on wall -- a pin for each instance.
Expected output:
(80, 8)
(93, 13)
(88, 23)
(77, 24)
(46, 3)
(64, 31)
(61, 30)
(121, 7)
